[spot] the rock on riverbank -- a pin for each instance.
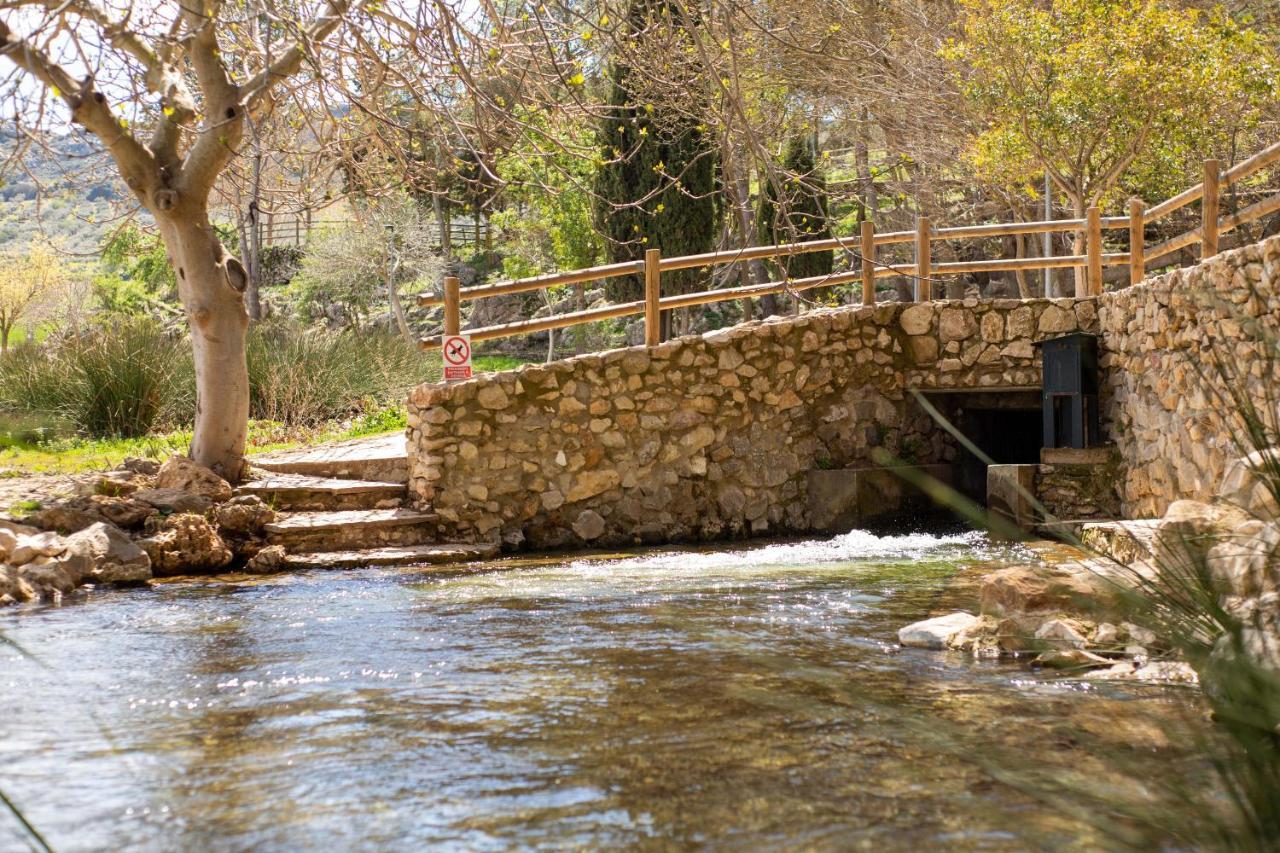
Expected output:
(1075, 614)
(127, 526)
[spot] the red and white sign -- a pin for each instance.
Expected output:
(457, 357)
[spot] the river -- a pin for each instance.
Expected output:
(676, 698)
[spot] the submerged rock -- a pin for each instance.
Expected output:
(936, 633)
(1163, 671)
(1020, 590)
(1071, 659)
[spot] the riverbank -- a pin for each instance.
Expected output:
(1099, 610)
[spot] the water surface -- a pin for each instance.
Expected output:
(742, 699)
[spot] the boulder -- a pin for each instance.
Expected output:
(589, 525)
(112, 557)
(13, 587)
(179, 472)
(184, 544)
(936, 633)
(1188, 531)
(78, 513)
(245, 515)
(28, 548)
(8, 539)
(1019, 590)
(1248, 484)
(267, 561)
(174, 501)
(18, 528)
(1062, 634)
(1246, 562)
(143, 467)
(1164, 672)
(118, 483)
(50, 580)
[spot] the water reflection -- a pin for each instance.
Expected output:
(750, 697)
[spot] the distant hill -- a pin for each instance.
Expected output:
(67, 192)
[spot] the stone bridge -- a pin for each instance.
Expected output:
(715, 436)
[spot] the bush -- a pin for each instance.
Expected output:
(129, 378)
(304, 376)
(124, 378)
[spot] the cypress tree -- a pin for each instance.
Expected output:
(801, 214)
(658, 184)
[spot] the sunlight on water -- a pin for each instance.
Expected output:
(752, 696)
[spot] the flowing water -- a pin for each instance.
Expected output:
(749, 698)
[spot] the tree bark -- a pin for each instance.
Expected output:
(211, 285)
(397, 309)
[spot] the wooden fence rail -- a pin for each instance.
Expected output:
(863, 246)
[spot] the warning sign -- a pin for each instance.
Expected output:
(457, 357)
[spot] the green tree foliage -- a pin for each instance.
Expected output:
(800, 214)
(658, 185)
(546, 222)
(136, 273)
(1092, 90)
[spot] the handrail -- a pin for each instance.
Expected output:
(864, 246)
(1243, 169)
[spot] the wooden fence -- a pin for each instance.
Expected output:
(1138, 259)
(280, 231)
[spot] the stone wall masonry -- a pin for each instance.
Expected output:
(1165, 404)
(711, 436)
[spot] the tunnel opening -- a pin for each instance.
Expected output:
(1007, 426)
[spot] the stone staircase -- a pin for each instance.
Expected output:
(342, 506)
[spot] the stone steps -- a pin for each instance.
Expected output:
(381, 459)
(351, 529)
(303, 492)
(340, 508)
(446, 554)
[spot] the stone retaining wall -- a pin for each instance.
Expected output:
(1165, 404)
(711, 436)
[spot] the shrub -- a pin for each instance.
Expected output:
(124, 378)
(303, 376)
(129, 377)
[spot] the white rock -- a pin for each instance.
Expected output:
(937, 632)
(1062, 633)
(28, 548)
(1244, 484)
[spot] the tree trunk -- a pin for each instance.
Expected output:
(740, 187)
(397, 309)
(4, 340)
(1020, 276)
(211, 285)
(439, 207)
(1078, 243)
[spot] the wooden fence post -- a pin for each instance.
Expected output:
(924, 261)
(1209, 209)
(868, 262)
(652, 293)
(1093, 251)
(452, 306)
(1137, 241)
